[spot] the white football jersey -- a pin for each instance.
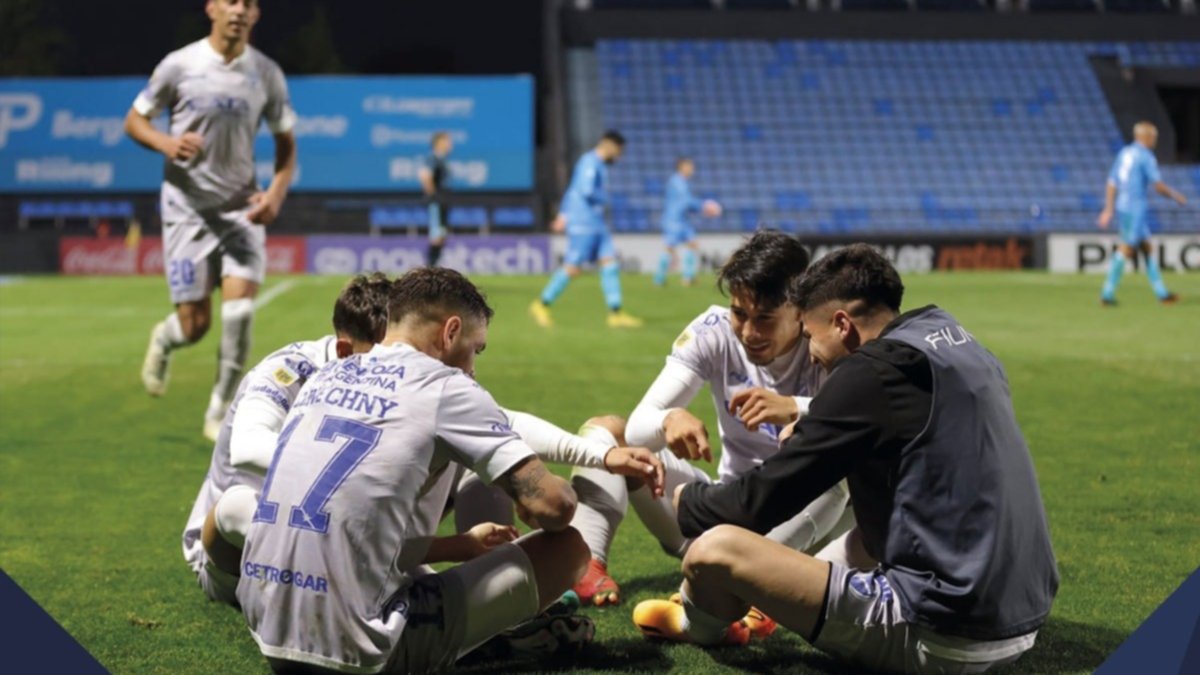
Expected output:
(277, 379)
(224, 103)
(709, 348)
(352, 500)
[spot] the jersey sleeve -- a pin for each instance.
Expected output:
(697, 347)
(556, 445)
(270, 392)
(278, 113)
(159, 93)
(476, 431)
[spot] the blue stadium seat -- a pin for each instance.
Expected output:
(513, 217)
(860, 137)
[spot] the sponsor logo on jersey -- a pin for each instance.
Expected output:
(275, 575)
(283, 375)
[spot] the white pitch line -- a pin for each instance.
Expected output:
(274, 292)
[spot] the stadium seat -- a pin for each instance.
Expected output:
(871, 5)
(858, 137)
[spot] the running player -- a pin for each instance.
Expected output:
(581, 215)
(251, 427)
(757, 364)
(1133, 173)
(359, 479)
(678, 204)
(217, 91)
(433, 177)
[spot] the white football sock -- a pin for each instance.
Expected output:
(703, 628)
(803, 531)
(603, 499)
(658, 515)
(237, 317)
(171, 337)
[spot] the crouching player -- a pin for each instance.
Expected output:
(358, 483)
(251, 426)
(952, 569)
(758, 366)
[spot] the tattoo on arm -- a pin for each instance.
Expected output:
(525, 482)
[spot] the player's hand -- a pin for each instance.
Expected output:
(486, 536)
(264, 208)
(756, 405)
(559, 224)
(183, 148)
(1181, 199)
(686, 435)
(1104, 219)
(637, 463)
(711, 209)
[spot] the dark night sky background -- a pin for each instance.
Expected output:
(102, 37)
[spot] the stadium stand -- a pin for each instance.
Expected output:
(875, 136)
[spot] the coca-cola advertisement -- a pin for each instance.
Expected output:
(87, 256)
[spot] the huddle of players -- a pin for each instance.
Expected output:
(339, 457)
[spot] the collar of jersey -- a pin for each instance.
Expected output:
(238, 60)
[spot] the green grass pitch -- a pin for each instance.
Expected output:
(96, 478)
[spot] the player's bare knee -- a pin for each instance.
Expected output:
(614, 424)
(716, 549)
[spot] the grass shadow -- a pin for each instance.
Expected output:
(623, 654)
(661, 584)
(1063, 646)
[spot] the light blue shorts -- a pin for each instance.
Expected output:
(678, 236)
(588, 248)
(1135, 227)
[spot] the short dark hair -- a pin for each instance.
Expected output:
(614, 136)
(856, 273)
(361, 309)
(679, 161)
(435, 293)
(763, 267)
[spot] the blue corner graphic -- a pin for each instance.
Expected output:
(1168, 641)
(30, 634)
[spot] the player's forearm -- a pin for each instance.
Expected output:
(1167, 191)
(548, 499)
(675, 387)
(285, 165)
(454, 548)
(556, 445)
(1110, 196)
(143, 132)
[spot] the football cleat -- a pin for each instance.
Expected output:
(761, 626)
(596, 587)
(156, 367)
(551, 634)
(541, 314)
(1169, 299)
(663, 620)
(1108, 302)
(619, 319)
